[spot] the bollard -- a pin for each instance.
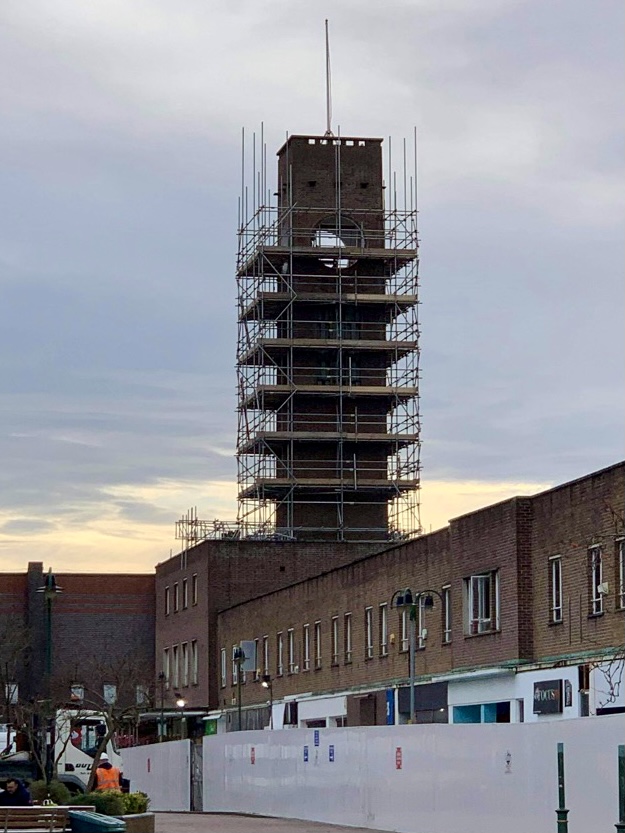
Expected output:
(621, 790)
(561, 812)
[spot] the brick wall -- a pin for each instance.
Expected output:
(229, 572)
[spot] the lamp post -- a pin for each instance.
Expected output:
(181, 703)
(161, 723)
(407, 600)
(267, 683)
(50, 591)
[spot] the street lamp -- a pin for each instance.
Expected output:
(267, 683)
(407, 600)
(161, 725)
(50, 591)
(181, 703)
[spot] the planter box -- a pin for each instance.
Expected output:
(139, 823)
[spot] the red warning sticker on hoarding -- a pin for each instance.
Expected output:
(253, 755)
(398, 758)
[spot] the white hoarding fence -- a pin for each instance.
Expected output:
(163, 771)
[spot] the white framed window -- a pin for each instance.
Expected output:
(257, 671)
(194, 589)
(280, 654)
(184, 657)
(317, 646)
(176, 597)
(555, 588)
(335, 640)
(185, 593)
(290, 650)
(306, 648)
(383, 623)
(224, 668)
(235, 665)
(483, 602)
(620, 549)
(419, 613)
(265, 655)
(368, 633)
(347, 637)
(597, 592)
(194, 662)
(166, 666)
(404, 618)
(167, 601)
(446, 594)
(175, 667)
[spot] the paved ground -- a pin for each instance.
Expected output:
(217, 823)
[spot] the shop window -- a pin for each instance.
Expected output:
(482, 596)
(555, 588)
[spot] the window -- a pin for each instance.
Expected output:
(166, 668)
(265, 655)
(446, 594)
(184, 651)
(483, 602)
(290, 647)
(597, 590)
(306, 648)
(280, 655)
(185, 593)
(194, 662)
(347, 637)
(175, 667)
(109, 693)
(176, 597)
(368, 633)
(555, 588)
(403, 615)
(194, 589)
(335, 640)
(419, 613)
(621, 572)
(141, 695)
(235, 664)
(167, 601)
(224, 668)
(317, 645)
(256, 660)
(383, 629)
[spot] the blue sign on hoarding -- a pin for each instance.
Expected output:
(316, 737)
(390, 707)
(331, 753)
(305, 754)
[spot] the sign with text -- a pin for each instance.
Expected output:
(398, 758)
(253, 755)
(316, 737)
(331, 753)
(548, 697)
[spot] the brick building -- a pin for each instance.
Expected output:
(99, 623)
(529, 622)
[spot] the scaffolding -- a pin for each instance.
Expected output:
(328, 355)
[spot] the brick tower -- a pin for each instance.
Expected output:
(328, 439)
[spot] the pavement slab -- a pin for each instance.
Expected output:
(221, 823)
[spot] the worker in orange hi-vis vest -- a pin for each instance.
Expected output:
(107, 776)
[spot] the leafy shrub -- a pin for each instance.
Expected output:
(135, 803)
(107, 802)
(56, 791)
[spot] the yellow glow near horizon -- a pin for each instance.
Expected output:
(102, 538)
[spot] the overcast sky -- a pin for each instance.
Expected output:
(119, 176)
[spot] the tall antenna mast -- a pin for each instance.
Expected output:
(328, 86)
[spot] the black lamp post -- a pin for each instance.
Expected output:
(407, 600)
(50, 591)
(267, 683)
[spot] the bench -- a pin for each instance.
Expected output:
(34, 818)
